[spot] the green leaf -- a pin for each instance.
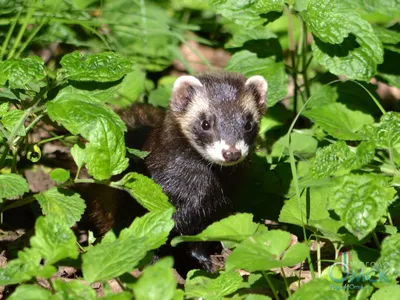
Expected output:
(54, 240)
(3, 108)
(65, 206)
(13, 120)
(390, 292)
(72, 290)
(145, 191)
(246, 13)
(200, 284)
(360, 201)
(313, 204)
(249, 64)
(102, 67)
(22, 73)
(157, 281)
(345, 43)
(386, 133)
(12, 186)
(105, 152)
(78, 154)
(257, 297)
(387, 36)
(59, 175)
(266, 251)
(114, 257)
(318, 289)
(30, 292)
(385, 7)
(389, 261)
(302, 142)
(322, 95)
(137, 153)
(234, 228)
(339, 121)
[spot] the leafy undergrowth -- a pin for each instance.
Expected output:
(318, 215)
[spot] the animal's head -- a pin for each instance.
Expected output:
(219, 113)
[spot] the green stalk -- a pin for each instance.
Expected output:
(21, 32)
(29, 39)
(8, 36)
(285, 281)
(271, 286)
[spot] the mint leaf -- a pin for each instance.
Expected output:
(54, 240)
(157, 281)
(360, 201)
(234, 228)
(145, 191)
(59, 175)
(137, 153)
(102, 67)
(249, 64)
(199, 284)
(30, 292)
(63, 205)
(3, 107)
(13, 121)
(318, 289)
(345, 43)
(389, 260)
(73, 289)
(246, 13)
(390, 292)
(78, 154)
(339, 121)
(114, 257)
(105, 152)
(266, 251)
(387, 36)
(22, 73)
(386, 133)
(12, 186)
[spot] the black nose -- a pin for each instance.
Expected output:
(231, 155)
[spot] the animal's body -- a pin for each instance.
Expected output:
(197, 152)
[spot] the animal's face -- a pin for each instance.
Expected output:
(219, 114)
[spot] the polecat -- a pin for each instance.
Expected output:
(196, 152)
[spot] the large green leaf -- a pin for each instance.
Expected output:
(148, 193)
(345, 43)
(234, 228)
(105, 152)
(13, 120)
(22, 73)
(360, 201)
(339, 121)
(102, 67)
(72, 290)
(389, 261)
(157, 281)
(12, 186)
(30, 292)
(266, 251)
(319, 289)
(64, 205)
(390, 292)
(249, 64)
(246, 13)
(386, 133)
(199, 284)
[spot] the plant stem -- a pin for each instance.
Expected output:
(285, 281)
(374, 236)
(319, 258)
(4, 155)
(30, 37)
(8, 36)
(51, 139)
(292, 50)
(18, 203)
(271, 286)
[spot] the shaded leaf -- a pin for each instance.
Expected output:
(30, 292)
(318, 289)
(59, 175)
(12, 186)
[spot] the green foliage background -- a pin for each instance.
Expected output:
(326, 166)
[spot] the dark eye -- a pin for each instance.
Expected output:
(248, 126)
(205, 125)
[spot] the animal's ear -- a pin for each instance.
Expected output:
(259, 86)
(183, 90)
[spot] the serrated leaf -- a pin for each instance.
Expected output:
(22, 73)
(386, 7)
(234, 228)
(105, 152)
(65, 206)
(12, 119)
(318, 289)
(3, 107)
(12, 186)
(345, 43)
(339, 156)
(199, 284)
(249, 64)
(266, 251)
(386, 133)
(72, 290)
(322, 95)
(145, 191)
(114, 257)
(157, 281)
(54, 240)
(360, 201)
(30, 292)
(389, 260)
(246, 13)
(302, 142)
(387, 36)
(339, 121)
(102, 67)
(59, 175)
